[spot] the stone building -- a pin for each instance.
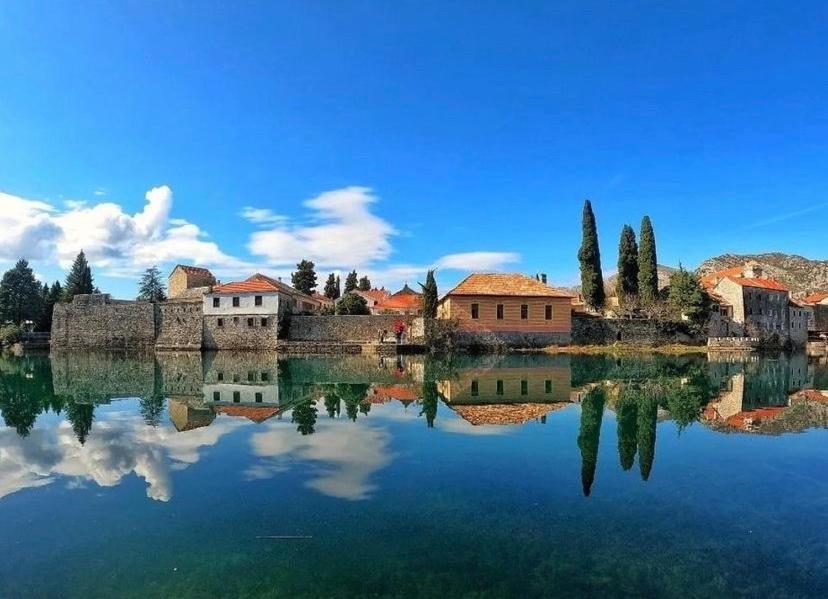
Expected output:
(184, 278)
(406, 301)
(747, 303)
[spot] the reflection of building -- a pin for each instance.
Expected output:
(187, 415)
(382, 394)
(242, 380)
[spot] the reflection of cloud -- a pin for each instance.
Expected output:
(457, 425)
(119, 444)
(344, 455)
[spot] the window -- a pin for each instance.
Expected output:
(251, 376)
(548, 313)
(235, 302)
(265, 376)
(475, 311)
(235, 320)
(499, 387)
(500, 311)
(258, 398)
(524, 311)
(547, 386)
(219, 376)
(236, 396)
(475, 388)
(264, 322)
(216, 302)
(216, 395)
(236, 378)
(220, 322)
(257, 300)
(250, 322)
(524, 387)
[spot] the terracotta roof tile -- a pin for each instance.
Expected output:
(246, 287)
(762, 283)
(505, 284)
(815, 298)
(251, 413)
(504, 414)
(405, 299)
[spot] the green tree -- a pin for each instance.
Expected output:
(626, 410)
(53, 296)
(592, 279)
(332, 404)
(364, 284)
(687, 298)
(647, 420)
(20, 295)
(626, 285)
(592, 412)
(430, 296)
(332, 287)
(79, 280)
(430, 402)
(352, 303)
(647, 263)
(151, 408)
(304, 279)
(351, 282)
(80, 415)
(304, 415)
(151, 287)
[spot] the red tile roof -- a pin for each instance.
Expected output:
(505, 284)
(762, 283)
(815, 298)
(246, 287)
(383, 394)
(375, 294)
(405, 299)
(735, 274)
(251, 413)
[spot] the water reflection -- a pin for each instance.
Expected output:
(330, 418)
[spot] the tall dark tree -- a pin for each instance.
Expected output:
(626, 410)
(304, 279)
(151, 287)
(79, 279)
(364, 284)
(430, 401)
(331, 290)
(151, 408)
(647, 263)
(592, 412)
(351, 282)
(626, 285)
(647, 420)
(687, 298)
(80, 415)
(20, 294)
(304, 415)
(338, 287)
(592, 279)
(430, 296)
(332, 404)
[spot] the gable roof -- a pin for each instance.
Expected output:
(735, 274)
(762, 283)
(404, 299)
(815, 298)
(257, 415)
(505, 284)
(259, 283)
(192, 270)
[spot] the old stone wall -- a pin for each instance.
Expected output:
(361, 329)
(507, 339)
(97, 377)
(606, 331)
(821, 318)
(96, 321)
(243, 332)
(179, 325)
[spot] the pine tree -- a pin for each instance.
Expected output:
(592, 279)
(304, 279)
(79, 279)
(151, 289)
(430, 296)
(647, 263)
(687, 297)
(626, 285)
(351, 282)
(20, 294)
(352, 303)
(364, 284)
(332, 287)
(51, 296)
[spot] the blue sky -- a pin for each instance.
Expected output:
(396, 136)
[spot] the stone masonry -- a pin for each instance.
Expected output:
(96, 321)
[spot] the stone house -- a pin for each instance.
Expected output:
(513, 309)
(406, 301)
(373, 297)
(818, 304)
(184, 278)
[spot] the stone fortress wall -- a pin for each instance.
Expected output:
(354, 329)
(96, 321)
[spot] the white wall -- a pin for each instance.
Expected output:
(270, 394)
(247, 304)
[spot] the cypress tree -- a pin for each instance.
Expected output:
(304, 279)
(647, 421)
(592, 412)
(332, 287)
(626, 285)
(592, 279)
(351, 282)
(79, 279)
(338, 287)
(647, 263)
(430, 296)
(626, 410)
(364, 284)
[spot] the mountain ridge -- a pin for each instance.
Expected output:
(801, 275)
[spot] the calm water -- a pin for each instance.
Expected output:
(239, 475)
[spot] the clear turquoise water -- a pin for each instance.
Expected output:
(587, 476)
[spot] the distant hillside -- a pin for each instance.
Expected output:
(801, 275)
(664, 273)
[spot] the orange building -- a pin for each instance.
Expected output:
(508, 308)
(405, 301)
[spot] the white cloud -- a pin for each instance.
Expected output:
(28, 228)
(262, 216)
(346, 234)
(477, 261)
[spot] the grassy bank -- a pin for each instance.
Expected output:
(673, 349)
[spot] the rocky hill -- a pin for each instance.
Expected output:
(801, 275)
(664, 273)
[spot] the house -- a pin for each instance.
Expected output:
(405, 301)
(192, 279)
(508, 308)
(818, 304)
(245, 314)
(751, 303)
(373, 297)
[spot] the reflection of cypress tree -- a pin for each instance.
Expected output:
(647, 415)
(592, 411)
(364, 407)
(430, 400)
(626, 411)
(304, 415)
(352, 396)
(332, 404)
(81, 416)
(151, 409)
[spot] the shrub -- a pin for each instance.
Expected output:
(10, 334)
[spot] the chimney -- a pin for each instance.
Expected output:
(543, 278)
